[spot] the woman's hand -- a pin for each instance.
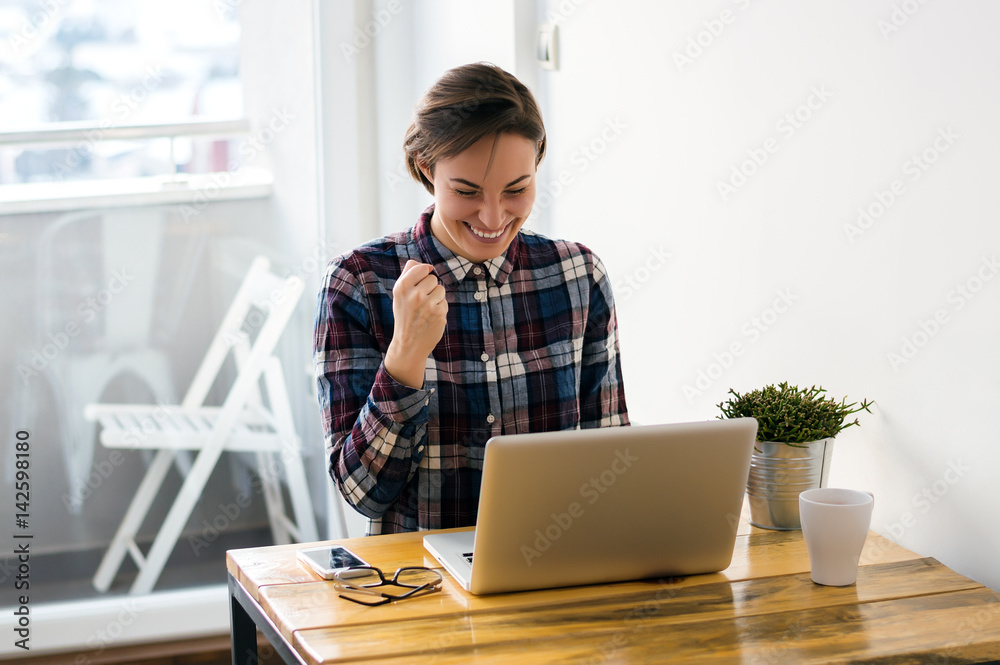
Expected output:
(421, 310)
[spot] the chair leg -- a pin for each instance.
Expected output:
(290, 453)
(298, 488)
(271, 486)
(133, 519)
(174, 523)
(336, 521)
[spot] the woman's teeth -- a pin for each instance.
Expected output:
(488, 236)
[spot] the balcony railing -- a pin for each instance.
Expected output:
(169, 188)
(72, 133)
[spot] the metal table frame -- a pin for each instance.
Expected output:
(245, 617)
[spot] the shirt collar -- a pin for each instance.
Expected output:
(451, 268)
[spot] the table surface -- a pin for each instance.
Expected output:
(762, 609)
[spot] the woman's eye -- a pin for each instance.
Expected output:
(465, 192)
(517, 192)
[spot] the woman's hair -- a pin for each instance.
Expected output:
(466, 104)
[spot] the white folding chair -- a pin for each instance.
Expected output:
(250, 329)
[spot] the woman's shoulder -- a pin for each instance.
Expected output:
(536, 245)
(371, 267)
(378, 255)
(572, 260)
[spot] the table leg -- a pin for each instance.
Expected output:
(246, 617)
(242, 627)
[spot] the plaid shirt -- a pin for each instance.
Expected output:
(530, 345)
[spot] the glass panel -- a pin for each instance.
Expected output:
(119, 306)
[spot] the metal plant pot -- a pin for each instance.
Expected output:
(778, 473)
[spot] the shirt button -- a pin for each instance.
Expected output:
(490, 418)
(479, 295)
(477, 270)
(484, 357)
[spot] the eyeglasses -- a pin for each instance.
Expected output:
(363, 584)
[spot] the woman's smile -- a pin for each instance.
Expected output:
(487, 236)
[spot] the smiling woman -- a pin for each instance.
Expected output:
(432, 340)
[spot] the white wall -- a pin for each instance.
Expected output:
(642, 141)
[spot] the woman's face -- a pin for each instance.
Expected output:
(481, 203)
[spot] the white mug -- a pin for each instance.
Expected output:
(835, 524)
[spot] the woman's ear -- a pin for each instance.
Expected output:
(426, 170)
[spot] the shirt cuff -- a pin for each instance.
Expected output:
(402, 404)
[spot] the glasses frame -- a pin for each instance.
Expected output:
(343, 582)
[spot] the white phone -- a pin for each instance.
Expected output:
(329, 560)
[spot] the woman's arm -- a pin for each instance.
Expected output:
(374, 426)
(602, 392)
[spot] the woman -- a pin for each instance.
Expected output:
(431, 340)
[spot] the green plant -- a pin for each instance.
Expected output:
(791, 415)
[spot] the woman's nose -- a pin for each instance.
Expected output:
(491, 214)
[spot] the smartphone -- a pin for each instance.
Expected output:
(328, 560)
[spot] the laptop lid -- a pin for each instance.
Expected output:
(605, 505)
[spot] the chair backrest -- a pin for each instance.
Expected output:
(263, 303)
(121, 248)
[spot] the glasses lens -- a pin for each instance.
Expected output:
(414, 577)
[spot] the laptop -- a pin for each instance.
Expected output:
(603, 505)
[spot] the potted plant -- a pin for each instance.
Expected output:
(795, 431)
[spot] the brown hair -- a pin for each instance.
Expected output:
(466, 104)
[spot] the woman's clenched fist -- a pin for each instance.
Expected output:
(421, 311)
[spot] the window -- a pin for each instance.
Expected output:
(107, 108)
(86, 88)
(187, 172)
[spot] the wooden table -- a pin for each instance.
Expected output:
(762, 609)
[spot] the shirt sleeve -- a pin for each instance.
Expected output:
(602, 391)
(374, 426)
